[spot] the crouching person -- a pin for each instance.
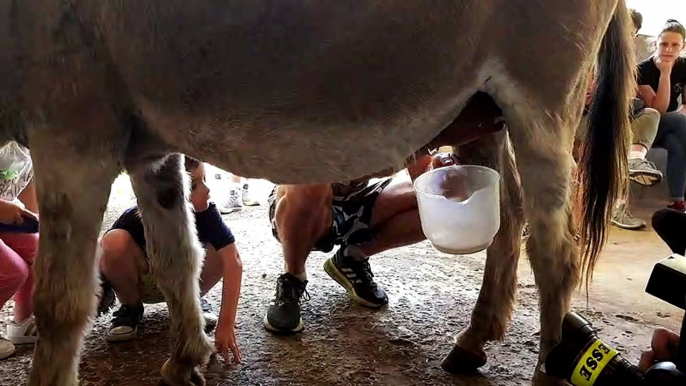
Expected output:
(125, 268)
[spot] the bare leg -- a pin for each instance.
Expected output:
(401, 230)
(493, 309)
(25, 245)
(212, 269)
(73, 189)
(175, 256)
(303, 216)
(123, 264)
(395, 218)
(638, 151)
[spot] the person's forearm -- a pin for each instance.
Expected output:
(418, 166)
(682, 109)
(28, 197)
(231, 289)
(661, 101)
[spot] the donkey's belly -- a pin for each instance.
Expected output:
(327, 154)
(294, 91)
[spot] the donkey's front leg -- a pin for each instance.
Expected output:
(73, 189)
(175, 260)
(494, 307)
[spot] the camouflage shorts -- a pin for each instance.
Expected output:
(351, 217)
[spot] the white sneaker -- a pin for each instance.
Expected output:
(210, 320)
(231, 202)
(210, 317)
(6, 348)
(25, 332)
(245, 197)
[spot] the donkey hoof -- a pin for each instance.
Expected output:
(174, 374)
(461, 361)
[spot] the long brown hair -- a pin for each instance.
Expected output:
(672, 25)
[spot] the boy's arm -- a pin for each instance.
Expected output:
(231, 288)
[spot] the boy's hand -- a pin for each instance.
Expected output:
(225, 341)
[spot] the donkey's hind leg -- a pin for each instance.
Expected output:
(175, 260)
(542, 146)
(73, 186)
(494, 306)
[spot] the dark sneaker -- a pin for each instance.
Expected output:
(125, 323)
(644, 172)
(357, 278)
(207, 314)
(623, 218)
(283, 314)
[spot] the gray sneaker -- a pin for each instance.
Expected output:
(644, 172)
(6, 348)
(623, 218)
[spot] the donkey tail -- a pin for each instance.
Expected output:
(603, 164)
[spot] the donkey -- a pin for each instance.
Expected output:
(303, 92)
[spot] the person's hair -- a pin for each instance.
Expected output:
(190, 163)
(672, 25)
(637, 18)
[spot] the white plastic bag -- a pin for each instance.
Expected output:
(16, 170)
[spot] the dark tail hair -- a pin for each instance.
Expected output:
(603, 164)
(190, 163)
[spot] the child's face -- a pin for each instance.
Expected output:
(669, 45)
(200, 193)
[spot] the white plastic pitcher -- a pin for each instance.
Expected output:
(459, 207)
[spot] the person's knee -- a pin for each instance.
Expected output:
(304, 200)
(675, 120)
(116, 249)
(650, 114)
(306, 193)
(400, 195)
(309, 205)
(15, 272)
(644, 127)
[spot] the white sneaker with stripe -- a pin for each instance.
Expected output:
(25, 332)
(6, 348)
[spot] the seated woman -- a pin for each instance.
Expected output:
(661, 80)
(644, 122)
(124, 265)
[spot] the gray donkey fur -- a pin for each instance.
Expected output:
(300, 91)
